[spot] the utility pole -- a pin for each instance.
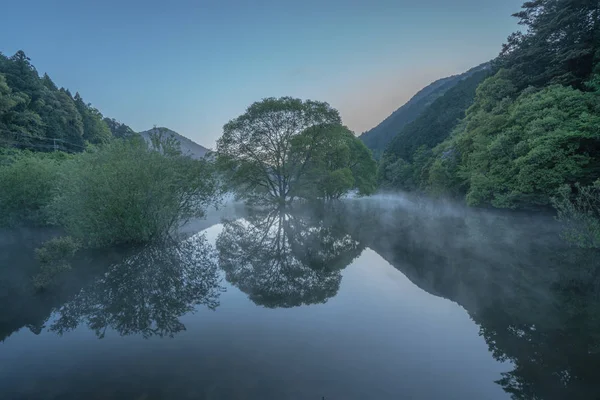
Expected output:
(55, 144)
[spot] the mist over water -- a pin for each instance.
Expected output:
(379, 297)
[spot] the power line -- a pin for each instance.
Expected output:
(54, 140)
(31, 145)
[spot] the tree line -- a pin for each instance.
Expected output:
(36, 114)
(521, 134)
(525, 137)
(63, 165)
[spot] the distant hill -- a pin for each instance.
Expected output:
(379, 137)
(436, 122)
(188, 147)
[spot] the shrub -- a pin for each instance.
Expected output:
(125, 192)
(57, 250)
(580, 214)
(27, 180)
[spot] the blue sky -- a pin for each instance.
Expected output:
(193, 65)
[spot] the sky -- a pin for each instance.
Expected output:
(191, 66)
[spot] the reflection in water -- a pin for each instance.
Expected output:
(285, 257)
(20, 305)
(553, 339)
(536, 300)
(148, 292)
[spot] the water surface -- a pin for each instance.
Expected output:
(369, 299)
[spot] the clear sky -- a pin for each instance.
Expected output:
(193, 65)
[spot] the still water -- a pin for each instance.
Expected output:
(379, 298)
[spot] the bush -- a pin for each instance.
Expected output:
(27, 180)
(125, 192)
(57, 250)
(580, 214)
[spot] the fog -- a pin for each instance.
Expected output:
(471, 256)
(532, 297)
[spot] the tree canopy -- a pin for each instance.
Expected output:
(378, 138)
(402, 163)
(282, 148)
(527, 131)
(561, 43)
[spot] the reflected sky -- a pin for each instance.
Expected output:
(366, 299)
(380, 336)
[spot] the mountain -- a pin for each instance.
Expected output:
(188, 147)
(379, 137)
(436, 122)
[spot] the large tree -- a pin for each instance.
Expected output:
(339, 163)
(256, 150)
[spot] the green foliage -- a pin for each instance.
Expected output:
(560, 45)
(339, 163)
(118, 129)
(378, 138)
(27, 181)
(165, 143)
(282, 148)
(515, 150)
(57, 250)
(36, 114)
(524, 136)
(580, 214)
(395, 172)
(519, 153)
(396, 169)
(95, 129)
(443, 173)
(438, 120)
(125, 192)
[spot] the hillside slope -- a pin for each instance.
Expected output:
(435, 124)
(36, 115)
(188, 147)
(380, 136)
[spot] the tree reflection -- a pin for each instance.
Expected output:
(285, 257)
(147, 292)
(535, 299)
(552, 339)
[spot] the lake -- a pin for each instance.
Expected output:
(381, 298)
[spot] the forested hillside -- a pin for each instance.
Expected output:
(533, 128)
(378, 138)
(442, 116)
(118, 129)
(36, 114)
